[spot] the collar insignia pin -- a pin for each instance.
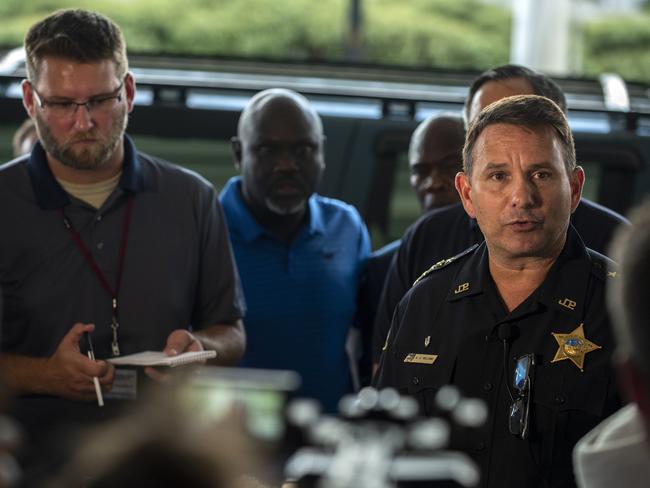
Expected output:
(568, 303)
(573, 346)
(461, 288)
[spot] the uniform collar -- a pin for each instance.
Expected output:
(248, 227)
(563, 289)
(565, 286)
(472, 276)
(50, 195)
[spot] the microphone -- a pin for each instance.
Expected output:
(507, 332)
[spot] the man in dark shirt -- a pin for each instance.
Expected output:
(519, 320)
(434, 157)
(445, 232)
(100, 239)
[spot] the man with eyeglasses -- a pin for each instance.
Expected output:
(299, 253)
(519, 320)
(102, 240)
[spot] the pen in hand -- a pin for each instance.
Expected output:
(91, 355)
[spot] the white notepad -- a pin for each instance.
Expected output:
(157, 358)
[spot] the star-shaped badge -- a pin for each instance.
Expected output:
(573, 346)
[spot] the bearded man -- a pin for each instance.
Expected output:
(100, 239)
(299, 253)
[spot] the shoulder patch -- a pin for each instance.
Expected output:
(444, 262)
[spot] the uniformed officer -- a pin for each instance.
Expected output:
(447, 231)
(518, 320)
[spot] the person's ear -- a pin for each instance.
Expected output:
(235, 146)
(28, 98)
(577, 182)
(464, 189)
(129, 89)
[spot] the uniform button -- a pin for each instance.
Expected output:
(415, 380)
(559, 399)
(98, 218)
(480, 446)
(100, 245)
(487, 386)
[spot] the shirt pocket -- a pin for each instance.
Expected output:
(565, 409)
(421, 380)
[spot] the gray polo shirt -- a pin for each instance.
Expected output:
(178, 270)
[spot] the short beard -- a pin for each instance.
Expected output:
(285, 210)
(90, 158)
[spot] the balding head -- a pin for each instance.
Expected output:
(263, 102)
(435, 156)
(279, 151)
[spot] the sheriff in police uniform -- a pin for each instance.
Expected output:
(520, 319)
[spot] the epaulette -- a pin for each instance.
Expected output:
(444, 262)
(602, 266)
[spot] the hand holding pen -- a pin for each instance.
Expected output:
(68, 372)
(91, 355)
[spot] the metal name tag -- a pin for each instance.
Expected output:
(420, 358)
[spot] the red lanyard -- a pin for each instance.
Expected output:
(85, 252)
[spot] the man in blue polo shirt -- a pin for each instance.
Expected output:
(298, 253)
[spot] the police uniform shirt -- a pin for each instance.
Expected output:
(452, 319)
(436, 235)
(446, 231)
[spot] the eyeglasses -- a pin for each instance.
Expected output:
(102, 104)
(519, 412)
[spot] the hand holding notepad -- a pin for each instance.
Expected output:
(157, 358)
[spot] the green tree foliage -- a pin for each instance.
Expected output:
(447, 33)
(621, 45)
(452, 33)
(441, 33)
(300, 29)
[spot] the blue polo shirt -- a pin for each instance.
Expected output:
(300, 297)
